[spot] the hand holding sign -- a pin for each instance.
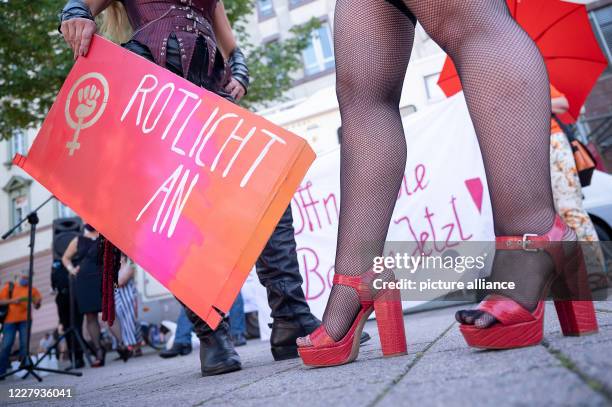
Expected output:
(181, 163)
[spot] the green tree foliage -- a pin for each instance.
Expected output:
(271, 64)
(34, 60)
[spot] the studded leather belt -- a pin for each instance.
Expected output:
(185, 19)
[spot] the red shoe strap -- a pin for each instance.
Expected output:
(358, 284)
(319, 337)
(532, 242)
(350, 281)
(505, 310)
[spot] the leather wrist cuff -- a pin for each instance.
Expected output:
(74, 9)
(238, 66)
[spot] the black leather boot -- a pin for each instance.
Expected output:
(286, 331)
(278, 271)
(217, 353)
(176, 350)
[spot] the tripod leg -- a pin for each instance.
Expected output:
(37, 377)
(30, 367)
(44, 369)
(12, 372)
(86, 349)
(47, 352)
(53, 346)
(27, 364)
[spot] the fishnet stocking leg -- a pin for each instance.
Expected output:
(372, 41)
(507, 91)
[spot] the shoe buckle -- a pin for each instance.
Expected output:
(526, 242)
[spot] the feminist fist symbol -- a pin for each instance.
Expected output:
(87, 104)
(91, 100)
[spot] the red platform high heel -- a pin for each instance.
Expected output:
(518, 327)
(324, 351)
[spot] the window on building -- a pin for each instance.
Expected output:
(64, 211)
(19, 209)
(297, 3)
(271, 47)
(602, 27)
(434, 93)
(265, 9)
(18, 191)
(17, 144)
(319, 55)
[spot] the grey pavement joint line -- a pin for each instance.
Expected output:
(609, 311)
(242, 386)
(409, 367)
(569, 364)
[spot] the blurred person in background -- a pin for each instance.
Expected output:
(60, 283)
(46, 342)
(237, 321)
(182, 337)
(81, 260)
(15, 295)
(566, 188)
(126, 298)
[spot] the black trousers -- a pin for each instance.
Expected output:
(277, 266)
(62, 300)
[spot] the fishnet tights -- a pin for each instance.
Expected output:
(507, 91)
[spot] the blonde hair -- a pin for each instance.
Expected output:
(114, 23)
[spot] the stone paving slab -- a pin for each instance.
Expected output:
(438, 370)
(548, 386)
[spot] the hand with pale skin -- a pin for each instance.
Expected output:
(226, 43)
(10, 301)
(74, 270)
(235, 89)
(78, 32)
(70, 252)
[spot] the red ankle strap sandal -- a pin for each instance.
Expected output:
(324, 351)
(518, 327)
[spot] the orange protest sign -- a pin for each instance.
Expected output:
(184, 182)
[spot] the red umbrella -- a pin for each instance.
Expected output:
(564, 36)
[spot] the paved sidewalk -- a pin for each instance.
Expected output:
(439, 370)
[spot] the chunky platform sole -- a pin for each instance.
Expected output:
(576, 318)
(390, 322)
(516, 326)
(291, 352)
(506, 336)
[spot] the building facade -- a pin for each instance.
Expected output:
(273, 21)
(311, 109)
(19, 195)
